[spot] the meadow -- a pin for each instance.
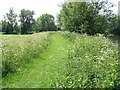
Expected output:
(59, 60)
(18, 50)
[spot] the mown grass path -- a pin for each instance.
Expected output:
(44, 72)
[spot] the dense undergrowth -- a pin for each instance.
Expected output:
(92, 62)
(18, 50)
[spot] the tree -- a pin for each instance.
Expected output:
(4, 26)
(85, 17)
(45, 23)
(118, 26)
(27, 21)
(116, 23)
(9, 22)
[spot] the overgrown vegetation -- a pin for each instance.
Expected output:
(45, 70)
(88, 62)
(78, 56)
(19, 50)
(92, 63)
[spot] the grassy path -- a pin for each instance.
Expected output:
(44, 71)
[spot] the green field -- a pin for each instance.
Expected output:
(59, 60)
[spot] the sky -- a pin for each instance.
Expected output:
(39, 6)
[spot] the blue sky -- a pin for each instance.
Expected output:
(39, 6)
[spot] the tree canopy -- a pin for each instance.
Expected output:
(86, 17)
(9, 24)
(27, 21)
(45, 23)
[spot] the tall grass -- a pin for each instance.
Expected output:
(92, 60)
(18, 50)
(92, 63)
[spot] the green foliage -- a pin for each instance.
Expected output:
(45, 70)
(4, 26)
(20, 50)
(70, 61)
(45, 23)
(27, 21)
(92, 63)
(9, 24)
(85, 17)
(116, 23)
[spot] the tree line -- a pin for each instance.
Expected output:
(89, 17)
(24, 23)
(81, 17)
